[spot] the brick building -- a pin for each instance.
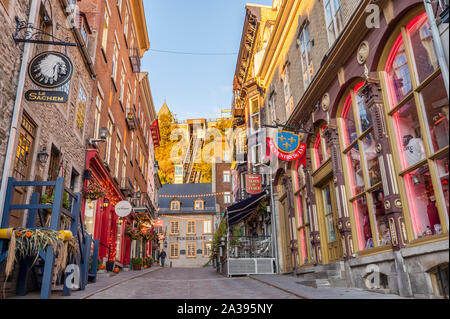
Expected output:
(123, 106)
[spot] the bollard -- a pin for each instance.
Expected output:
(170, 264)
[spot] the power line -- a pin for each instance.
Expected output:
(192, 53)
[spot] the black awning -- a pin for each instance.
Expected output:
(243, 209)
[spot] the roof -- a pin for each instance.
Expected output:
(194, 191)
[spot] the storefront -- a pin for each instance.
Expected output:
(374, 189)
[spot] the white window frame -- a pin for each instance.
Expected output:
(305, 43)
(334, 13)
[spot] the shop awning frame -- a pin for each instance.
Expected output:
(240, 211)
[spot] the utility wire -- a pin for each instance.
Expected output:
(192, 53)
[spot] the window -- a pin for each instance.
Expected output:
(117, 157)
(24, 151)
(5, 3)
(119, 241)
(440, 280)
(288, 99)
(416, 91)
(304, 225)
(97, 115)
(227, 198)
(124, 168)
(175, 205)
(115, 61)
(363, 172)
(199, 205)
(333, 19)
(89, 216)
(122, 85)
(191, 227)
(207, 227)
(226, 176)
(81, 113)
(174, 251)
(174, 227)
(322, 151)
(125, 27)
(254, 115)
(131, 147)
(105, 30)
(109, 142)
(207, 248)
(273, 108)
(191, 250)
(306, 56)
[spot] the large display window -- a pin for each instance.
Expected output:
(418, 109)
(322, 151)
(363, 177)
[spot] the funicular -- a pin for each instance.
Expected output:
(82, 265)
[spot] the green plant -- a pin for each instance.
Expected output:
(93, 191)
(148, 261)
(136, 261)
(49, 196)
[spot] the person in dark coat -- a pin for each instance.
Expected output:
(162, 257)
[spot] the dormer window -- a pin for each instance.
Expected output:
(175, 205)
(199, 205)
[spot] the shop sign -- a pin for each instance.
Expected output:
(158, 223)
(287, 147)
(253, 183)
(46, 96)
(50, 69)
(191, 238)
(123, 209)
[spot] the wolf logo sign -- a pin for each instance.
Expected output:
(50, 69)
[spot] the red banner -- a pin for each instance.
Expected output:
(253, 184)
(158, 223)
(288, 157)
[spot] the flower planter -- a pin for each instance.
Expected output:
(137, 267)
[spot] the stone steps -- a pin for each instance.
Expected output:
(322, 276)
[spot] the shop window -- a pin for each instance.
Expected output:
(174, 251)
(322, 151)
(89, 216)
(363, 172)
(191, 250)
(413, 95)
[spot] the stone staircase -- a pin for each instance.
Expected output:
(323, 276)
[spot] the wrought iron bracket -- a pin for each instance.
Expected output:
(289, 128)
(27, 33)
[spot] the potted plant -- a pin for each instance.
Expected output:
(136, 263)
(93, 192)
(148, 262)
(49, 196)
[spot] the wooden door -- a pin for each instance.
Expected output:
(331, 216)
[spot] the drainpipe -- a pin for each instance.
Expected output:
(9, 158)
(438, 43)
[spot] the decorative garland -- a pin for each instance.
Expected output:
(192, 196)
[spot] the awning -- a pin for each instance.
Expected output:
(240, 211)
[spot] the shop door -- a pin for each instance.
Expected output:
(334, 248)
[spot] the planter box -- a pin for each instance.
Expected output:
(137, 267)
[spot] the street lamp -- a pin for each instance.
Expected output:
(105, 203)
(103, 132)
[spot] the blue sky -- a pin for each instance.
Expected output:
(194, 86)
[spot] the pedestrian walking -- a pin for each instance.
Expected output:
(162, 256)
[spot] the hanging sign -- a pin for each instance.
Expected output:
(123, 209)
(287, 147)
(46, 96)
(253, 183)
(50, 69)
(158, 223)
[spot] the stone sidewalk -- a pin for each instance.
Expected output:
(290, 285)
(104, 282)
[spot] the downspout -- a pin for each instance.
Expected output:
(9, 158)
(438, 44)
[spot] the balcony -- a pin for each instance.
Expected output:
(135, 60)
(131, 119)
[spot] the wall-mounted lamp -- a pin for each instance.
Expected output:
(103, 132)
(43, 155)
(105, 203)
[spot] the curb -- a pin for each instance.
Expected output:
(117, 283)
(279, 288)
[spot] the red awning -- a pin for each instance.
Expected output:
(155, 133)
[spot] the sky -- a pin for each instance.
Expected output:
(194, 86)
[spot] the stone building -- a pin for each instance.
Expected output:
(369, 102)
(188, 212)
(47, 134)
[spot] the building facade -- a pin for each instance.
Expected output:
(188, 213)
(369, 101)
(121, 164)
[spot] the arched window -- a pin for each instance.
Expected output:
(418, 110)
(322, 151)
(363, 174)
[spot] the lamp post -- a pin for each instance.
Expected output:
(103, 132)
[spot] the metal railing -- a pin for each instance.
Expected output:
(250, 247)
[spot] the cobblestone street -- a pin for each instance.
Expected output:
(190, 283)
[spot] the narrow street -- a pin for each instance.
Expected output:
(190, 283)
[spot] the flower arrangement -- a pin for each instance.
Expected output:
(133, 233)
(93, 191)
(29, 242)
